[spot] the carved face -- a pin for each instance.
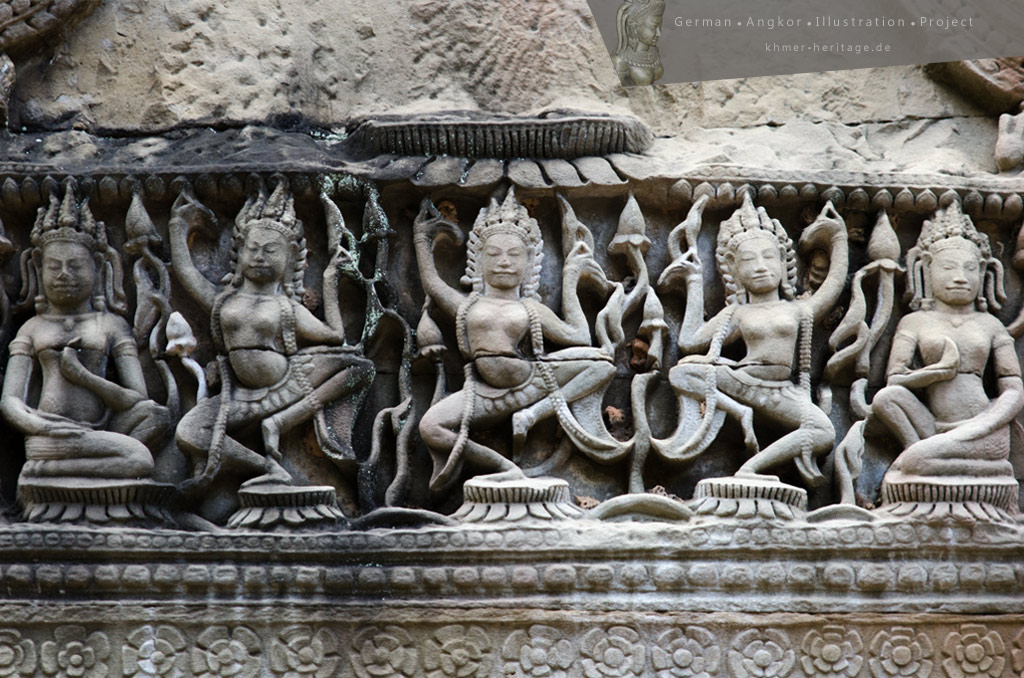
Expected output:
(649, 30)
(757, 264)
(68, 273)
(264, 256)
(504, 258)
(955, 272)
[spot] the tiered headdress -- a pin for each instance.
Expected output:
(276, 212)
(512, 218)
(745, 223)
(71, 221)
(948, 228)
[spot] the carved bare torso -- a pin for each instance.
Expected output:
(252, 329)
(95, 335)
(770, 331)
(495, 329)
(975, 334)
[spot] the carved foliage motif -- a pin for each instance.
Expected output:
(686, 653)
(223, 652)
(155, 652)
(75, 653)
(973, 650)
(383, 651)
(17, 654)
(761, 653)
(832, 652)
(457, 652)
(539, 651)
(551, 651)
(899, 652)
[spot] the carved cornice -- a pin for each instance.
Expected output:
(959, 568)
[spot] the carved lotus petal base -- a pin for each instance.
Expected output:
(100, 502)
(285, 506)
(761, 497)
(1000, 492)
(516, 500)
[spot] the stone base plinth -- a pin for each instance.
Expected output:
(999, 492)
(761, 497)
(272, 505)
(516, 500)
(100, 502)
(957, 499)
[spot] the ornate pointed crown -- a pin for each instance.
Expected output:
(276, 212)
(68, 220)
(749, 222)
(950, 223)
(509, 217)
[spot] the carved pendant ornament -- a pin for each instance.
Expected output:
(268, 376)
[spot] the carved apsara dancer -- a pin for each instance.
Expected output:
(935, 401)
(502, 326)
(757, 262)
(278, 362)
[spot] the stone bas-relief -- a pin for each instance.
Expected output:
(576, 314)
(82, 430)
(556, 412)
(277, 363)
(955, 437)
(757, 263)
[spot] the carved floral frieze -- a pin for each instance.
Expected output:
(650, 647)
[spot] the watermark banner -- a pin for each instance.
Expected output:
(689, 40)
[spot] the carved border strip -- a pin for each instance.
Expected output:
(478, 646)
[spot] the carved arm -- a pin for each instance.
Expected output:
(186, 214)
(830, 227)
(424, 229)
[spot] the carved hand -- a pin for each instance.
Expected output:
(943, 370)
(825, 230)
(429, 222)
(190, 214)
(686, 268)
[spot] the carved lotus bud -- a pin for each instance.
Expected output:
(632, 230)
(180, 340)
(883, 243)
(139, 227)
(428, 336)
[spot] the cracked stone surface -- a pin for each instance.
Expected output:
(143, 67)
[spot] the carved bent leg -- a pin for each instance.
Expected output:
(813, 432)
(576, 379)
(333, 377)
(194, 435)
(903, 414)
(89, 454)
(440, 428)
(944, 454)
(691, 380)
(146, 421)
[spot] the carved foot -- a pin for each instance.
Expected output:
(522, 422)
(275, 475)
(502, 476)
(749, 439)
